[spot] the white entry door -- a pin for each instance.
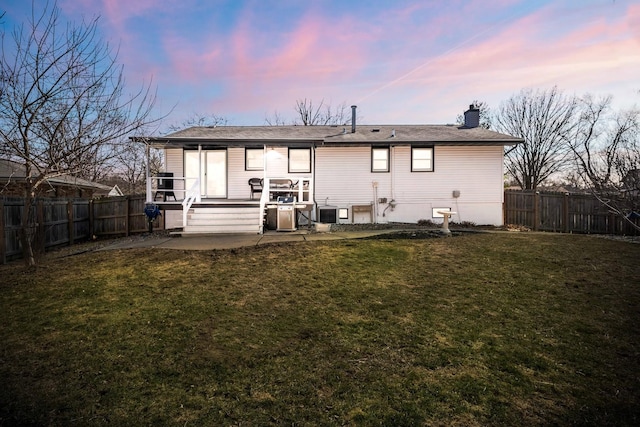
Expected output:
(212, 169)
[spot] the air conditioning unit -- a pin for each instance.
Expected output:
(328, 214)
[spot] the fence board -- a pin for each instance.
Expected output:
(110, 216)
(13, 207)
(563, 212)
(552, 215)
(56, 222)
(68, 221)
(81, 221)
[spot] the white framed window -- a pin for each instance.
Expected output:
(299, 160)
(422, 159)
(253, 159)
(379, 159)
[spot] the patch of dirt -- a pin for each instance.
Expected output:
(94, 245)
(628, 239)
(405, 231)
(430, 227)
(412, 234)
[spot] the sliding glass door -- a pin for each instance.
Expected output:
(212, 169)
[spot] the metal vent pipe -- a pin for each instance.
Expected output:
(353, 118)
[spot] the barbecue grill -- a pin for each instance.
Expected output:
(286, 219)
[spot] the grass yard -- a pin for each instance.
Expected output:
(475, 330)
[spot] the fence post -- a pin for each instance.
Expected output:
(536, 210)
(565, 212)
(504, 207)
(126, 218)
(613, 219)
(40, 228)
(70, 221)
(91, 220)
(3, 242)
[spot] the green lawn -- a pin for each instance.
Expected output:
(479, 329)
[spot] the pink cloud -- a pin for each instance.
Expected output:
(383, 60)
(599, 56)
(520, 55)
(253, 66)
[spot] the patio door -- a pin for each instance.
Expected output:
(211, 166)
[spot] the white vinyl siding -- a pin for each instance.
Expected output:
(344, 178)
(237, 177)
(174, 164)
(474, 171)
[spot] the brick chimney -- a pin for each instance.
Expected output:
(472, 117)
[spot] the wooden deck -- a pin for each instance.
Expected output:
(208, 203)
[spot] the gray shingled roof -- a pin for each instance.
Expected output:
(336, 135)
(10, 170)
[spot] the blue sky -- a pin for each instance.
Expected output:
(400, 61)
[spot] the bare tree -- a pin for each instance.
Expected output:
(628, 165)
(485, 114)
(310, 114)
(197, 119)
(544, 119)
(599, 142)
(130, 171)
(606, 151)
(63, 109)
(276, 119)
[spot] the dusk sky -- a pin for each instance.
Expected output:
(399, 61)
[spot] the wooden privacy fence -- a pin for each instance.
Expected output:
(69, 221)
(563, 212)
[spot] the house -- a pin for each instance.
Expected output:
(256, 178)
(11, 173)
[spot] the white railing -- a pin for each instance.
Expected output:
(152, 193)
(191, 195)
(300, 187)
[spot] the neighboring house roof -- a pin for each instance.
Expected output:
(334, 135)
(115, 191)
(10, 170)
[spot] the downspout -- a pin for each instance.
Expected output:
(393, 169)
(263, 201)
(312, 197)
(200, 169)
(148, 172)
(264, 161)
